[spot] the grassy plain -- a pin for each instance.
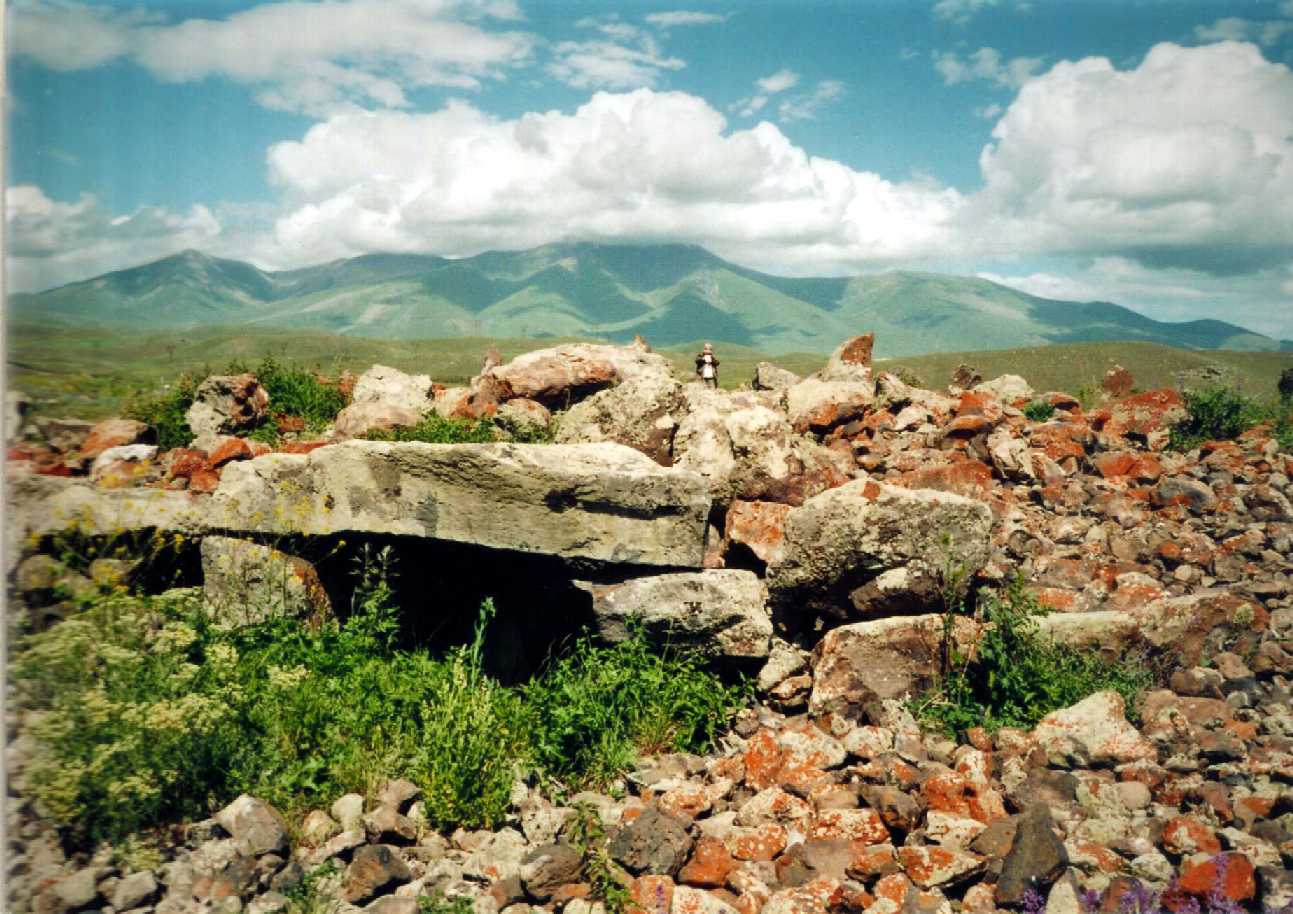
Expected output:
(91, 373)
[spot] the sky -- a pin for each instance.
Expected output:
(1135, 151)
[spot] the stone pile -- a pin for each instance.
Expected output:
(805, 530)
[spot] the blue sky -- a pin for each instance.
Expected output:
(1139, 152)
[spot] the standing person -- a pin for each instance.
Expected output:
(707, 366)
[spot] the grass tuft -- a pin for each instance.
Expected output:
(1016, 676)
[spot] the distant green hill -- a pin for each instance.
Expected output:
(670, 294)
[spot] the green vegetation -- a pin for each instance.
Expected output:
(435, 429)
(607, 880)
(1221, 414)
(148, 713)
(1016, 676)
(293, 391)
(598, 707)
(1039, 411)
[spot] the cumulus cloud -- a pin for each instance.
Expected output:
(675, 18)
(639, 166)
(49, 242)
(314, 58)
(1175, 163)
(987, 64)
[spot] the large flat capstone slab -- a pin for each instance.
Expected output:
(603, 502)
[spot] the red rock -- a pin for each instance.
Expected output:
(1185, 835)
(1142, 414)
(1118, 382)
(301, 447)
(686, 801)
(1231, 872)
(289, 425)
(228, 450)
(971, 478)
(763, 760)
(934, 866)
(1059, 440)
(969, 426)
(112, 433)
(860, 825)
(952, 792)
(709, 865)
(759, 526)
(762, 842)
(856, 351)
(204, 481)
(892, 888)
(652, 894)
(871, 860)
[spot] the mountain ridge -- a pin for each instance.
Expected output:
(669, 293)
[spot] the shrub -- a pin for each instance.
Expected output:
(1215, 413)
(147, 713)
(1017, 676)
(1039, 411)
(297, 392)
(435, 429)
(598, 707)
(164, 410)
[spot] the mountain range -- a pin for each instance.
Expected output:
(670, 294)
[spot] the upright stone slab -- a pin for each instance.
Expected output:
(604, 501)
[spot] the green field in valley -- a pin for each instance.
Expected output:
(93, 373)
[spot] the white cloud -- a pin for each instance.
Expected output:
(636, 166)
(1179, 162)
(49, 242)
(808, 105)
(310, 57)
(988, 112)
(629, 58)
(676, 18)
(959, 12)
(604, 64)
(778, 82)
(1232, 28)
(986, 64)
(1259, 302)
(767, 86)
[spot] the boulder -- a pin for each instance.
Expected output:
(758, 526)
(1036, 857)
(771, 377)
(528, 417)
(63, 435)
(112, 433)
(256, 827)
(1008, 388)
(853, 665)
(866, 549)
(851, 360)
(597, 501)
(374, 870)
(721, 613)
(652, 843)
(124, 465)
(746, 449)
(392, 387)
(1118, 382)
(817, 405)
(362, 417)
(225, 404)
(563, 375)
(546, 869)
(1092, 732)
(642, 413)
(244, 582)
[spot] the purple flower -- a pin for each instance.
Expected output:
(1033, 901)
